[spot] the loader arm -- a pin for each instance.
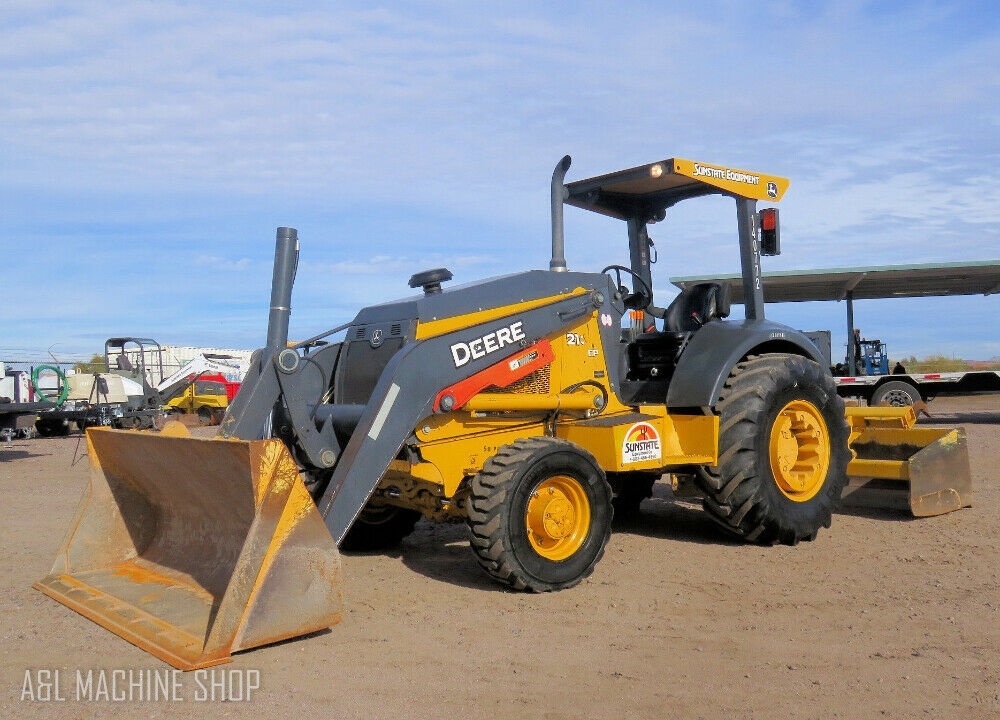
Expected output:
(249, 412)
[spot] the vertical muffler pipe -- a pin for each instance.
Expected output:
(286, 260)
(558, 261)
(249, 414)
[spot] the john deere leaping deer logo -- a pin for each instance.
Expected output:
(642, 442)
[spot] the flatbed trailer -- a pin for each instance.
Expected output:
(18, 418)
(908, 388)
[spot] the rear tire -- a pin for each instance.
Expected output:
(896, 393)
(379, 527)
(783, 451)
(540, 514)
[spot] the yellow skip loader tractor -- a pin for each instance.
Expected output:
(520, 405)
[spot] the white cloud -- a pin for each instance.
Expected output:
(404, 137)
(224, 264)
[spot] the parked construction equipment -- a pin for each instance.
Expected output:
(518, 403)
(131, 393)
(201, 387)
(207, 396)
(879, 384)
(121, 396)
(18, 403)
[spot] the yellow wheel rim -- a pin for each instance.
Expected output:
(557, 517)
(799, 450)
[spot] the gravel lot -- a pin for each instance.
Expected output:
(883, 616)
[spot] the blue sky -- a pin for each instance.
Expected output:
(150, 149)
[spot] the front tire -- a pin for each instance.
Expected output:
(540, 514)
(783, 451)
(379, 527)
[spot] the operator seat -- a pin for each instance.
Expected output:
(653, 356)
(123, 363)
(695, 306)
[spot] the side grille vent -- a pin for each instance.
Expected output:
(537, 383)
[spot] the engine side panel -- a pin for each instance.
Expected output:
(405, 391)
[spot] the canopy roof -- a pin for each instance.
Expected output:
(651, 188)
(866, 283)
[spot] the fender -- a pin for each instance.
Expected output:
(715, 349)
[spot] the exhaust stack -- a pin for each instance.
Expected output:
(286, 262)
(558, 261)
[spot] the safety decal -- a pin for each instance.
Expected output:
(641, 443)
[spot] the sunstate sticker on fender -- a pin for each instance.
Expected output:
(641, 443)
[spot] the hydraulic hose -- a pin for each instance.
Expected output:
(63, 385)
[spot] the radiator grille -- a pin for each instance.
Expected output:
(537, 383)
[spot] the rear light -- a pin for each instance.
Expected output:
(770, 237)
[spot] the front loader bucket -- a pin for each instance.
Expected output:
(928, 468)
(194, 549)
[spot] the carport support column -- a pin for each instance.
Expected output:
(753, 287)
(852, 366)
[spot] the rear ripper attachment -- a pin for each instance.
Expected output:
(898, 465)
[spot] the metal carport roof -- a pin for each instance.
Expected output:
(866, 283)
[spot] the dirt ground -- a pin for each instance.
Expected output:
(883, 616)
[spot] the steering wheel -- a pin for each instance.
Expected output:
(633, 300)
